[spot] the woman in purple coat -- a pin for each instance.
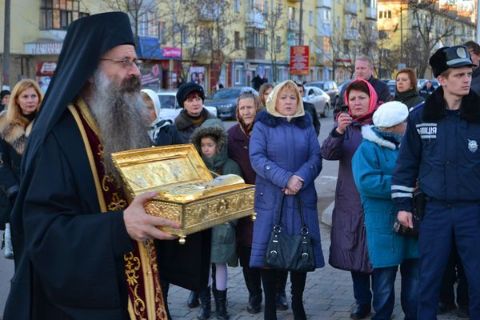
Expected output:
(348, 250)
(238, 141)
(285, 154)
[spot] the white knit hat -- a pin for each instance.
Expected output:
(390, 114)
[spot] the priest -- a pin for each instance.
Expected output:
(82, 251)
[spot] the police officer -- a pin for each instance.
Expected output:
(441, 150)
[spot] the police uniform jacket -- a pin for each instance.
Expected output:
(441, 149)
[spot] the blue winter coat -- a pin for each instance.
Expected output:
(372, 166)
(278, 150)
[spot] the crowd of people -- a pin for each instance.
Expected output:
(83, 251)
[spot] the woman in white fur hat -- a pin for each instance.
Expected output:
(372, 166)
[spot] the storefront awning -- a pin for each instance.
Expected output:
(149, 48)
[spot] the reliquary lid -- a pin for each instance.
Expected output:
(176, 172)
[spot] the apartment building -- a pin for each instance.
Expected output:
(213, 41)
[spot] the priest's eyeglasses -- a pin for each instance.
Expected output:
(125, 62)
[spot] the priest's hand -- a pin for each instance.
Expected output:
(142, 226)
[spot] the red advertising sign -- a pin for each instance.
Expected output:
(299, 60)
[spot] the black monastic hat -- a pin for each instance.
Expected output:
(86, 41)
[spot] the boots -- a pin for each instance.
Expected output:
(268, 281)
(221, 304)
(205, 304)
(253, 282)
(281, 297)
(254, 303)
(298, 309)
(192, 301)
(298, 285)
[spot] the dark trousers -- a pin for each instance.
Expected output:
(252, 276)
(454, 273)
(269, 281)
(383, 284)
(443, 226)
(361, 288)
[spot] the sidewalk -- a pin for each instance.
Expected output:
(328, 294)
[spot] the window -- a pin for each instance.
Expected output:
(256, 38)
(184, 35)
(389, 14)
(380, 14)
(278, 45)
(291, 13)
(58, 14)
(236, 6)
(310, 18)
(326, 15)
(237, 40)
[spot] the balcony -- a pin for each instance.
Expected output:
(351, 34)
(293, 26)
(324, 3)
(255, 19)
(351, 8)
(371, 13)
(294, 1)
(209, 14)
(324, 29)
(254, 53)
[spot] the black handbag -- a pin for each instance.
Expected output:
(290, 252)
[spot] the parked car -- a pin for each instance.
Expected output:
(328, 86)
(169, 107)
(225, 100)
(319, 98)
(392, 86)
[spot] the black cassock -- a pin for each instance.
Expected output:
(69, 255)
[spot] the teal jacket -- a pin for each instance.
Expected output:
(372, 165)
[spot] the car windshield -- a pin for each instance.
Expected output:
(227, 93)
(167, 102)
(317, 84)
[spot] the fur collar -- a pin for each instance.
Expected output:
(14, 133)
(435, 107)
(272, 121)
(370, 135)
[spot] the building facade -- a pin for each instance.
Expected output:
(411, 32)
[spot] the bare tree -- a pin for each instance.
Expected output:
(274, 28)
(429, 31)
(138, 10)
(201, 28)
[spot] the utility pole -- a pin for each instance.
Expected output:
(478, 22)
(6, 46)
(300, 38)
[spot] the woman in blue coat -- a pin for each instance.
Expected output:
(372, 166)
(285, 155)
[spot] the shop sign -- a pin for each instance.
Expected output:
(43, 48)
(299, 60)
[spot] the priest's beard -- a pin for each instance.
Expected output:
(121, 118)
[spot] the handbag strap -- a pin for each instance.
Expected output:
(304, 228)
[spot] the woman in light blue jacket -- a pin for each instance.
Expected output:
(372, 166)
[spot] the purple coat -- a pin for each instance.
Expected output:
(238, 142)
(348, 249)
(278, 150)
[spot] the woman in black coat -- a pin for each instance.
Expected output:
(15, 126)
(406, 88)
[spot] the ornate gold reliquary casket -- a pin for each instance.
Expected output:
(186, 190)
